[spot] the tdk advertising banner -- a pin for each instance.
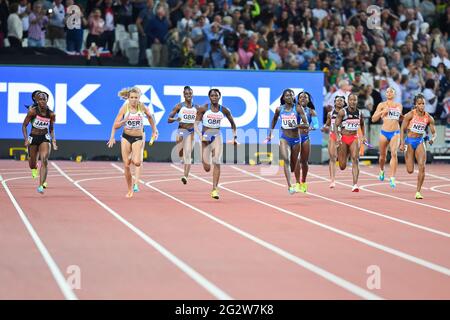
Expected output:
(86, 102)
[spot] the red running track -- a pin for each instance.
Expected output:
(173, 241)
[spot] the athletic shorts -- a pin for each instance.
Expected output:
(348, 140)
(389, 134)
(414, 142)
(184, 132)
(304, 138)
(131, 139)
(37, 139)
(291, 141)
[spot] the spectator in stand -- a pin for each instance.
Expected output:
(94, 40)
(74, 22)
(216, 57)
(108, 34)
(142, 22)
(186, 24)
(157, 31)
(123, 13)
(24, 11)
(187, 53)
(38, 25)
(15, 28)
(441, 57)
(56, 23)
(430, 97)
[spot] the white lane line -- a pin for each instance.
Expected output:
(396, 181)
(384, 194)
(184, 267)
(395, 252)
(408, 223)
(289, 256)
(435, 176)
(54, 269)
(440, 186)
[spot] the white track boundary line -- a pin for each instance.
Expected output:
(54, 269)
(184, 267)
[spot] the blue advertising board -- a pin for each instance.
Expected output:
(85, 100)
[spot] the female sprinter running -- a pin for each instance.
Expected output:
(290, 114)
(211, 116)
(416, 122)
(38, 142)
(131, 116)
(187, 112)
(390, 111)
(339, 103)
(350, 119)
(304, 100)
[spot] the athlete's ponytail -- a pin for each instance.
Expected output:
(125, 92)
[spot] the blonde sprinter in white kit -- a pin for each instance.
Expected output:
(211, 115)
(131, 117)
(187, 112)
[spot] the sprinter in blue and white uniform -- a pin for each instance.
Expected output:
(186, 113)
(131, 117)
(211, 115)
(290, 115)
(304, 100)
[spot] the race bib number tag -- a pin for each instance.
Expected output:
(188, 118)
(393, 114)
(41, 123)
(289, 121)
(351, 125)
(418, 128)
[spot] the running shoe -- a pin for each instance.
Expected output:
(355, 188)
(381, 175)
(304, 187)
(45, 185)
(291, 190)
(184, 179)
(392, 182)
(135, 187)
(40, 189)
(332, 185)
(215, 194)
(418, 195)
(298, 187)
(34, 173)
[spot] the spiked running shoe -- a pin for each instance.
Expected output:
(215, 194)
(392, 182)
